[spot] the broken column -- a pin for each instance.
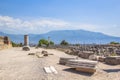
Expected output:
(26, 43)
(26, 40)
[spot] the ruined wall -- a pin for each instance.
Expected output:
(5, 42)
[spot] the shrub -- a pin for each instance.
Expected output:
(45, 42)
(114, 42)
(63, 42)
(16, 44)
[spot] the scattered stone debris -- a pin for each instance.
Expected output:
(101, 58)
(47, 70)
(83, 65)
(45, 53)
(26, 48)
(98, 49)
(31, 53)
(50, 69)
(85, 54)
(93, 57)
(113, 60)
(118, 52)
(64, 60)
(80, 65)
(40, 54)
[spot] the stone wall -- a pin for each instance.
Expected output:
(5, 42)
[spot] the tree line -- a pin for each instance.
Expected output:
(46, 43)
(42, 42)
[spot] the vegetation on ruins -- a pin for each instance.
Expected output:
(63, 42)
(45, 42)
(114, 42)
(113, 54)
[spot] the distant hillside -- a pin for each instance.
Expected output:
(72, 36)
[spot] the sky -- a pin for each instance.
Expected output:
(41, 16)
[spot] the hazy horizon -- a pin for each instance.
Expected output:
(55, 30)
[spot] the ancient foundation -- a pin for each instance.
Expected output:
(5, 42)
(113, 60)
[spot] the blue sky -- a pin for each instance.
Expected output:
(41, 16)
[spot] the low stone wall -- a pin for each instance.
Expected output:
(113, 60)
(5, 43)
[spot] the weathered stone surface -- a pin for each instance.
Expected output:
(97, 49)
(93, 57)
(31, 53)
(101, 59)
(64, 60)
(87, 70)
(118, 52)
(83, 65)
(26, 48)
(44, 52)
(113, 60)
(85, 54)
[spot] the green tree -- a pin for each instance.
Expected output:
(114, 42)
(51, 43)
(16, 44)
(63, 42)
(45, 42)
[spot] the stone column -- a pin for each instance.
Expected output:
(26, 40)
(26, 43)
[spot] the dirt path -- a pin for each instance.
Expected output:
(15, 64)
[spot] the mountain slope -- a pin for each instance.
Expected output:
(72, 36)
(81, 36)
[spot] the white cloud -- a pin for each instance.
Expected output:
(12, 25)
(37, 26)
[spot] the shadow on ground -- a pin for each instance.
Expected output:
(72, 70)
(111, 70)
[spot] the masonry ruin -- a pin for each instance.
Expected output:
(5, 42)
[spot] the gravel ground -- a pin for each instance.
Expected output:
(15, 64)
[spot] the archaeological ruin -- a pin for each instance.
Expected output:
(5, 42)
(26, 43)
